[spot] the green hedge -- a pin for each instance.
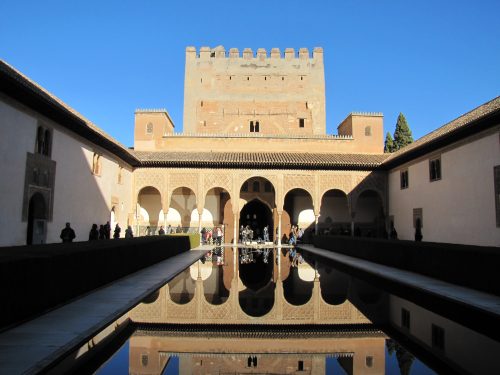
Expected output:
(37, 278)
(194, 238)
(475, 267)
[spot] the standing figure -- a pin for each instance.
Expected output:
(116, 233)
(128, 232)
(161, 232)
(107, 228)
(94, 233)
(67, 234)
(102, 232)
(266, 233)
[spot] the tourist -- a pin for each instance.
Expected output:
(161, 232)
(67, 234)
(128, 232)
(218, 235)
(94, 233)
(102, 232)
(203, 235)
(169, 229)
(117, 231)
(179, 229)
(107, 229)
(266, 233)
(242, 228)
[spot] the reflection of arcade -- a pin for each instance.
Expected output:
(203, 350)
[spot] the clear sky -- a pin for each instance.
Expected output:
(433, 60)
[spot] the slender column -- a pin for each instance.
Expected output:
(353, 215)
(279, 229)
(199, 221)
(316, 220)
(235, 229)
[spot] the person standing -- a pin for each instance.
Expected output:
(129, 233)
(107, 230)
(161, 232)
(116, 233)
(102, 232)
(67, 234)
(94, 233)
(266, 233)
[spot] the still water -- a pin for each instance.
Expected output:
(269, 311)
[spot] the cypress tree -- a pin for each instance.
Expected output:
(402, 134)
(389, 143)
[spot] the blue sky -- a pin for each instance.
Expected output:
(431, 60)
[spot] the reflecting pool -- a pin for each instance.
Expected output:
(281, 311)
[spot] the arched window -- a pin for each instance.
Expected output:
(46, 143)
(96, 164)
(252, 129)
(39, 140)
(267, 187)
(368, 131)
(245, 187)
(256, 186)
(256, 126)
(149, 128)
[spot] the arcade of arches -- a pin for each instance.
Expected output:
(342, 202)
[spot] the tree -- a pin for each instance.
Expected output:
(402, 134)
(389, 143)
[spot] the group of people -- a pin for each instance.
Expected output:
(104, 232)
(162, 231)
(101, 233)
(296, 234)
(247, 234)
(212, 236)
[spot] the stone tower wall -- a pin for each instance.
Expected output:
(226, 91)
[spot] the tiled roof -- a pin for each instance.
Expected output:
(465, 124)
(263, 160)
(81, 125)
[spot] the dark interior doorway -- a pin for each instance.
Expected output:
(257, 215)
(37, 220)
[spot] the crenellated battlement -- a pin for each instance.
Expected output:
(207, 53)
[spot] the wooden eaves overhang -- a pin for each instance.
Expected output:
(484, 117)
(260, 160)
(20, 88)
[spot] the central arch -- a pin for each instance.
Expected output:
(256, 214)
(258, 206)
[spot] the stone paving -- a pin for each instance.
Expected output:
(31, 347)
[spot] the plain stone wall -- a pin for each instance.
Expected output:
(459, 208)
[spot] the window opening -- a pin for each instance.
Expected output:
(256, 186)
(252, 129)
(435, 169)
(404, 179)
(244, 188)
(302, 122)
(368, 131)
(149, 128)
(256, 126)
